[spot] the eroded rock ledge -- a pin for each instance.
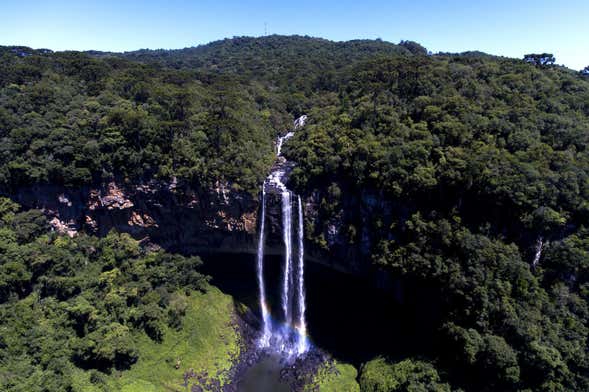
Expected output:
(181, 218)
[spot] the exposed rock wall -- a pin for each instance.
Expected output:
(181, 218)
(173, 216)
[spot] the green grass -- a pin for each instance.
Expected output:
(207, 342)
(328, 380)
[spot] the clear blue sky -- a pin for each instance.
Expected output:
(510, 28)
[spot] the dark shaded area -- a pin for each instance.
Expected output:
(346, 315)
(264, 376)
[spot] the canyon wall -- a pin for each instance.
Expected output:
(181, 218)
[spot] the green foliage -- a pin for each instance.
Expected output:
(497, 312)
(540, 59)
(68, 304)
(413, 47)
(409, 375)
(296, 65)
(334, 377)
(72, 119)
(444, 170)
(452, 167)
(108, 345)
(28, 225)
(208, 343)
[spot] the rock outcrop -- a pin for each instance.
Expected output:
(181, 218)
(174, 216)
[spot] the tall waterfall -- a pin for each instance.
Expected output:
(266, 332)
(291, 337)
(287, 237)
(302, 345)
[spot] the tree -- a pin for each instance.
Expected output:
(111, 345)
(542, 59)
(408, 375)
(29, 224)
(414, 47)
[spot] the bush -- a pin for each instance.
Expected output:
(408, 375)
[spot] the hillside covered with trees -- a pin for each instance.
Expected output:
(484, 166)
(481, 164)
(73, 309)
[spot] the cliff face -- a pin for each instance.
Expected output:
(171, 215)
(180, 218)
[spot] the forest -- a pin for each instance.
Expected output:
(68, 305)
(482, 162)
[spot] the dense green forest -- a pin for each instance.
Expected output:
(482, 162)
(480, 158)
(68, 118)
(68, 305)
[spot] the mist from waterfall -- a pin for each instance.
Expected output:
(291, 337)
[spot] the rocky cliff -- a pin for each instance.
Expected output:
(181, 218)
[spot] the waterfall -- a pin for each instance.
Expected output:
(290, 338)
(538, 253)
(287, 237)
(281, 141)
(302, 327)
(265, 338)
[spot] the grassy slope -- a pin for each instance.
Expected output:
(207, 342)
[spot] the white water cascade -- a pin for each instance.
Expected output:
(287, 237)
(289, 338)
(538, 252)
(302, 344)
(266, 331)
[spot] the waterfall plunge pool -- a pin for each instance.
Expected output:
(264, 376)
(346, 315)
